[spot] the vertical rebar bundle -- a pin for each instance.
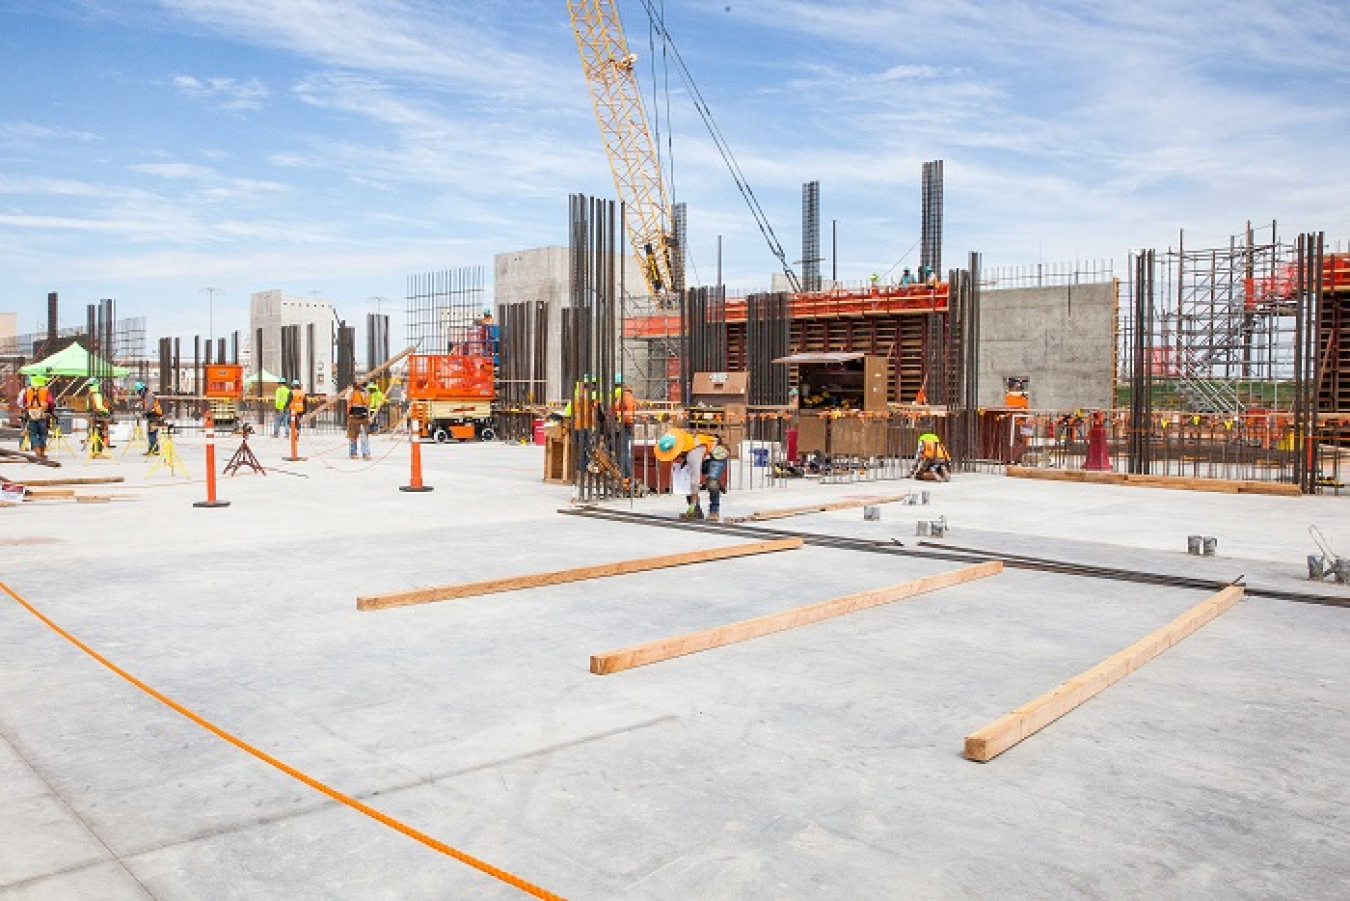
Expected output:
(930, 241)
(767, 337)
(1139, 439)
(591, 348)
(442, 308)
(811, 236)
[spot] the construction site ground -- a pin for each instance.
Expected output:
(819, 762)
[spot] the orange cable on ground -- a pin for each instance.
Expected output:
(410, 832)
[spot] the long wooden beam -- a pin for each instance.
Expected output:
(308, 418)
(985, 744)
(782, 512)
(51, 483)
(655, 651)
(575, 574)
(1187, 483)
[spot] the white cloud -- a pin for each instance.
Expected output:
(223, 93)
(32, 133)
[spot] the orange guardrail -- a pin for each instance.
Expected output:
(450, 377)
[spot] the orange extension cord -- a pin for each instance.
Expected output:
(481, 866)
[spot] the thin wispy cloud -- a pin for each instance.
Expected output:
(13, 133)
(223, 93)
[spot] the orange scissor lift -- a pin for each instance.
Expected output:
(451, 396)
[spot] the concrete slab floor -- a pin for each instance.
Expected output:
(819, 762)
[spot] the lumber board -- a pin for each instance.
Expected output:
(986, 743)
(1188, 483)
(783, 512)
(308, 418)
(41, 493)
(574, 574)
(51, 483)
(693, 642)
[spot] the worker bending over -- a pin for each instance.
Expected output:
(696, 461)
(932, 463)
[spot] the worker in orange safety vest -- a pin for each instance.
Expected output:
(38, 408)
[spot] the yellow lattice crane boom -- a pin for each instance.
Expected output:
(628, 140)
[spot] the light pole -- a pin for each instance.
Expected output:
(211, 312)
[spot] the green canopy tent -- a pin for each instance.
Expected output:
(265, 377)
(74, 362)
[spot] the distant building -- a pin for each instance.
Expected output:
(299, 335)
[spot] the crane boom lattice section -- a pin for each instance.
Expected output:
(628, 141)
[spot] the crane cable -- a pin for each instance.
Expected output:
(738, 176)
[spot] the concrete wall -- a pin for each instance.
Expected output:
(270, 310)
(545, 274)
(1062, 337)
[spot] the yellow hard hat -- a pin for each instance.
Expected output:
(672, 444)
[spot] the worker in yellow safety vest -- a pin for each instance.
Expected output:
(283, 407)
(99, 414)
(932, 463)
(376, 404)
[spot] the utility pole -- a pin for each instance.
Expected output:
(211, 312)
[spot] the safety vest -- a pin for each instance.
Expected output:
(627, 405)
(297, 400)
(358, 404)
(96, 404)
(283, 397)
(932, 448)
(150, 405)
(376, 399)
(37, 401)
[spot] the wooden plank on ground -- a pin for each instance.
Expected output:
(783, 512)
(43, 493)
(575, 574)
(92, 480)
(987, 743)
(654, 651)
(1138, 480)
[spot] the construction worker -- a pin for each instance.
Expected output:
(99, 414)
(581, 409)
(358, 420)
(695, 459)
(625, 409)
(907, 278)
(932, 463)
(283, 404)
(297, 404)
(376, 405)
(154, 417)
(38, 408)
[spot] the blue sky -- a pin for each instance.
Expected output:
(152, 148)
